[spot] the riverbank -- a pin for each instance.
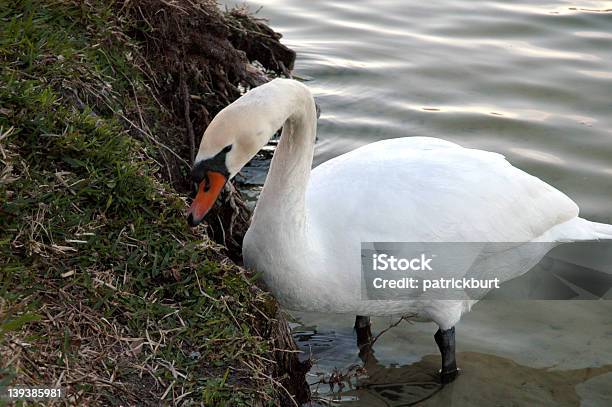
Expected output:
(104, 290)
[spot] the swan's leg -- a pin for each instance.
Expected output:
(362, 322)
(364, 336)
(362, 327)
(446, 343)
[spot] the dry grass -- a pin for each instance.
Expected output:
(104, 290)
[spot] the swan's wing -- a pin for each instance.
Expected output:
(427, 189)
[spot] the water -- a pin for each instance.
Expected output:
(533, 82)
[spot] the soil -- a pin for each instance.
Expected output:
(199, 60)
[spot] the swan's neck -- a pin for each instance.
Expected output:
(282, 202)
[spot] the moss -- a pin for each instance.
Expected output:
(103, 288)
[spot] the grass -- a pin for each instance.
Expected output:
(103, 288)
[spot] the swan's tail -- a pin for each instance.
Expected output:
(578, 229)
(602, 230)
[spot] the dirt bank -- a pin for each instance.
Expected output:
(104, 290)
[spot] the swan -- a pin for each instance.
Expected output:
(306, 231)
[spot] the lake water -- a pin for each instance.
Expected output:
(532, 82)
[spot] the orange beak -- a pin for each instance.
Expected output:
(208, 192)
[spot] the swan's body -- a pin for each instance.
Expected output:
(406, 190)
(306, 232)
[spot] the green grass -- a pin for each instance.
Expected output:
(103, 287)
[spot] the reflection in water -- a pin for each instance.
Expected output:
(537, 155)
(484, 378)
(511, 353)
(598, 74)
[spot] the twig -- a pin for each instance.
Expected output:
(187, 108)
(153, 139)
(404, 318)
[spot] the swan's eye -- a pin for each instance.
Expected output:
(206, 182)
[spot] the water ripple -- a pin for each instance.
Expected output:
(530, 80)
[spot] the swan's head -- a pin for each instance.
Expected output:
(228, 144)
(237, 134)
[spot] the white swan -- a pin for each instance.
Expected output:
(306, 232)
